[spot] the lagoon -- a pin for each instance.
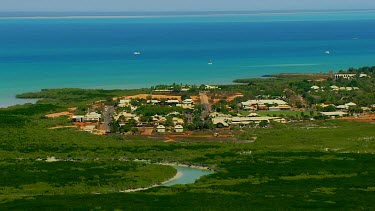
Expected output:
(188, 175)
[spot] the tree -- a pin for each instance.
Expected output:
(263, 123)
(329, 108)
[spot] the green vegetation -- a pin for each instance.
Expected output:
(151, 110)
(322, 165)
(305, 165)
(296, 88)
(21, 178)
(78, 97)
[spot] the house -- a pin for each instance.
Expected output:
(160, 129)
(126, 116)
(315, 88)
(188, 102)
(185, 106)
(254, 103)
(172, 102)
(249, 107)
(177, 121)
(334, 114)
(78, 118)
(153, 102)
(366, 108)
(221, 121)
(280, 108)
(341, 107)
(346, 106)
(178, 129)
(362, 75)
(158, 119)
(252, 120)
(163, 90)
(92, 117)
(124, 103)
(335, 88)
(345, 76)
(211, 87)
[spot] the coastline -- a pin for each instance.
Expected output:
(185, 165)
(177, 176)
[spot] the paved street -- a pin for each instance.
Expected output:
(205, 103)
(107, 117)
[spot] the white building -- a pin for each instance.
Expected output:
(177, 121)
(211, 87)
(160, 129)
(178, 129)
(334, 114)
(153, 102)
(335, 88)
(188, 102)
(280, 108)
(345, 76)
(315, 87)
(171, 102)
(125, 115)
(221, 121)
(263, 102)
(92, 116)
(124, 103)
(78, 118)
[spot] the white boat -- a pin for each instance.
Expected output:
(327, 52)
(137, 53)
(210, 63)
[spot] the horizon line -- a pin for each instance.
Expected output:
(155, 14)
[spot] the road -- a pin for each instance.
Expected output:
(107, 117)
(205, 103)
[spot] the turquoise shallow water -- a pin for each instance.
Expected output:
(189, 175)
(98, 52)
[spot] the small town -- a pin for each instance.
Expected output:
(208, 111)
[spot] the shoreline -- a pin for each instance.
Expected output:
(185, 165)
(177, 176)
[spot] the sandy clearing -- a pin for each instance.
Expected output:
(145, 96)
(61, 127)
(56, 115)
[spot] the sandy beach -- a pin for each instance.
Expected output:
(178, 175)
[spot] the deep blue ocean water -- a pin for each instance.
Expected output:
(38, 53)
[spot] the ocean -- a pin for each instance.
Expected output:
(98, 52)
